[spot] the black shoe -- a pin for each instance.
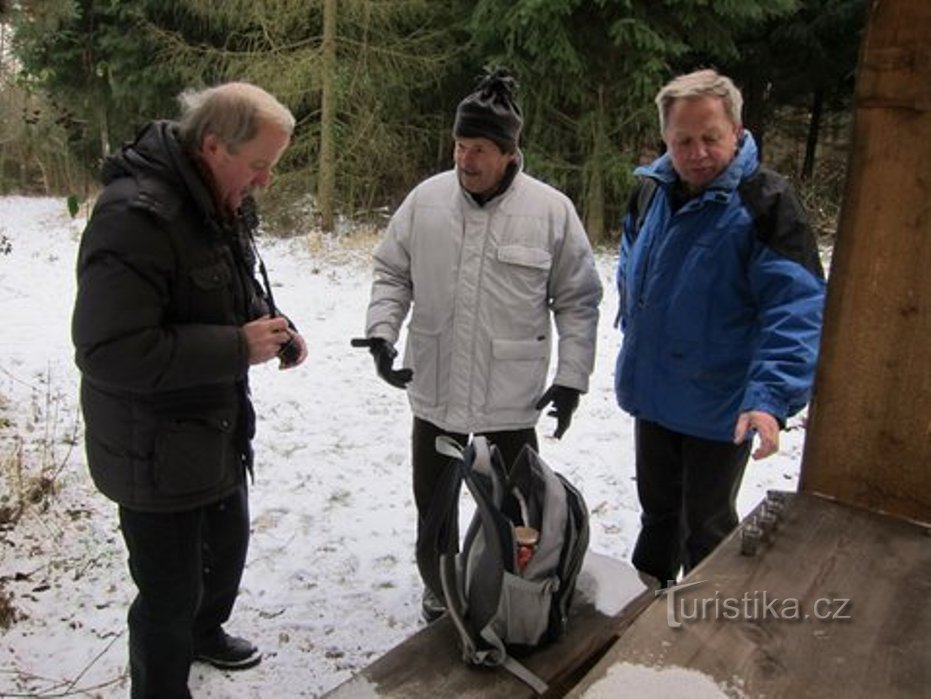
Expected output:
(431, 606)
(226, 652)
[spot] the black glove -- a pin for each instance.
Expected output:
(565, 400)
(384, 355)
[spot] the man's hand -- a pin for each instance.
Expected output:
(293, 352)
(565, 400)
(384, 355)
(264, 337)
(766, 427)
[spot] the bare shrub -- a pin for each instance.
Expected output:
(35, 447)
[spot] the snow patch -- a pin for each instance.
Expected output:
(631, 680)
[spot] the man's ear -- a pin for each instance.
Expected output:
(210, 145)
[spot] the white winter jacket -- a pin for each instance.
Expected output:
(481, 283)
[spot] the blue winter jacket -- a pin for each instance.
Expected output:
(720, 301)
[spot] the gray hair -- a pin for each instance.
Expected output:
(701, 83)
(232, 112)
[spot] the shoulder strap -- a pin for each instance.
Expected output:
(780, 219)
(639, 203)
(439, 522)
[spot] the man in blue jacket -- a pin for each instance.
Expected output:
(721, 294)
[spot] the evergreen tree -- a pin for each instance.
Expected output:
(815, 61)
(375, 91)
(92, 59)
(590, 70)
(385, 59)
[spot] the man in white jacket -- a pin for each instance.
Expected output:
(486, 259)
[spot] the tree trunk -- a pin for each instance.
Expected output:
(595, 207)
(594, 187)
(814, 126)
(326, 178)
(754, 112)
(104, 120)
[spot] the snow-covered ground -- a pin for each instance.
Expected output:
(331, 582)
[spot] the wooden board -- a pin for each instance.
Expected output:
(869, 435)
(429, 663)
(875, 573)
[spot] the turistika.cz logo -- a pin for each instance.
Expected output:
(753, 605)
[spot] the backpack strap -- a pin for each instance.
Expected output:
(441, 520)
(639, 203)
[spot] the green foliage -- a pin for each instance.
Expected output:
(590, 70)
(806, 58)
(818, 48)
(34, 152)
(97, 70)
(391, 57)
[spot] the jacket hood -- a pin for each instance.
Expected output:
(744, 164)
(156, 155)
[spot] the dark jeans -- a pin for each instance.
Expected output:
(187, 567)
(429, 464)
(688, 493)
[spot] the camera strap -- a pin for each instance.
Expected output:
(250, 222)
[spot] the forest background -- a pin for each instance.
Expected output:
(374, 85)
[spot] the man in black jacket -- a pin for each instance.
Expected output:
(168, 319)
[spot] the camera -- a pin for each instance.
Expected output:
(290, 351)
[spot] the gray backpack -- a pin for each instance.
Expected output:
(505, 593)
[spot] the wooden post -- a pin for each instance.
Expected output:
(869, 440)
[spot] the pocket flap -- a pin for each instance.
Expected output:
(212, 276)
(519, 349)
(522, 255)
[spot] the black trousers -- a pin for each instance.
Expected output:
(187, 567)
(688, 493)
(429, 464)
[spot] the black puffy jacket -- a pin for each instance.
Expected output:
(164, 287)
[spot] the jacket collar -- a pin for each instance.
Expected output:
(744, 164)
(510, 174)
(157, 153)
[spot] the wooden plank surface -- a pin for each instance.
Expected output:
(429, 664)
(869, 433)
(869, 574)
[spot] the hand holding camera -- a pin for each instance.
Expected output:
(291, 353)
(270, 337)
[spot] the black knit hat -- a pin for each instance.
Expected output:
(491, 111)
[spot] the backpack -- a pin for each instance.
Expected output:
(505, 597)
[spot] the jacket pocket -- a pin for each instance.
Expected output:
(423, 356)
(525, 256)
(521, 276)
(211, 293)
(214, 276)
(518, 371)
(193, 454)
(712, 366)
